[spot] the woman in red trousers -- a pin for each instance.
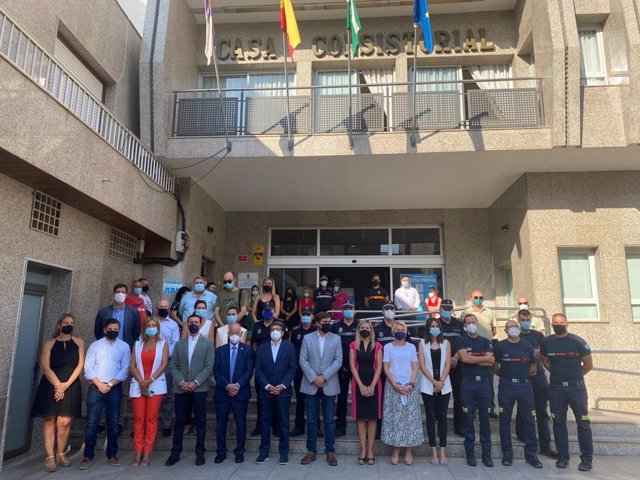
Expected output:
(148, 387)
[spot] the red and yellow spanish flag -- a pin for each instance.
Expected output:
(289, 25)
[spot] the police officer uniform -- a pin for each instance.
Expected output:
(323, 297)
(452, 331)
(297, 336)
(347, 334)
(515, 360)
(540, 386)
(476, 393)
(567, 389)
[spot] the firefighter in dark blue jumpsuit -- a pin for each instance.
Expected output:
(476, 355)
(568, 358)
(515, 363)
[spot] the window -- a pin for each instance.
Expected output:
(415, 241)
(294, 243)
(68, 59)
(578, 281)
(45, 214)
(354, 242)
(508, 286)
(592, 63)
(122, 245)
(296, 278)
(633, 271)
(436, 74)
(268, 84)
(421, 279)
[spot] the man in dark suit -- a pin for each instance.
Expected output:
(276, 365)
(191, 366)
(233, 369)
(127, 316)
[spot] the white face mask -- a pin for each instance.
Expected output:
(276, 335)
(513, 332)
(523, 306)
(432, 294)
(323, 283)
(234, 339)
(471, 328)
(389, 314)
(120, 297)
(406, 284)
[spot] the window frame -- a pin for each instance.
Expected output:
(634, 302)
(584, 79)
(569, 301)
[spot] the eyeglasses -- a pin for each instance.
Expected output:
(478, 298)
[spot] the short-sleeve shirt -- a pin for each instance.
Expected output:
(515, 359)
(565, 357)
(297, 336)
(477, 347)
(377, 297)
(347, 334)
(323, 299)
(228, 298)
(383, 334)
(486, 321)
(534, 338)
(260, 333)
(399, 360)
(452, 331)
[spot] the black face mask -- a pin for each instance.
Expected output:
(267, 288)
(325, 327)
(145, 289)
(193, 328)
(376, 283)
(365, 333)
(560, 329)
(111, 335)
(163, 312)
(67, 329)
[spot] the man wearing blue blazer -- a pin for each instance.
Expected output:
(276, 365)
(232, 370)
(127, 316)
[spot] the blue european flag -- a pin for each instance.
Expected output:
(421, 16)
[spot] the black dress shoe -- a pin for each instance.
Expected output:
(199, 460)
(547, 452)
(166, 432)
(562, 462)
(261, 459)
(219, 458)
(533, 461)
(284, 460)
(296, 432)
(255, 432)
(172, 460)
(471, 461)
(585, 466)
(507, 459)
(239, 458)
(487, 462)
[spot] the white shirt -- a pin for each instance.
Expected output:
(192, 346)
(406, 298)
(170, 333)
(148, 305)
(204, 329)
(274, 349)
(321, 340)
(107, 360)
(400, 360)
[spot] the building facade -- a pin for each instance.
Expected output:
(509, 165)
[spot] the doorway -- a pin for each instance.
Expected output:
(356, 280)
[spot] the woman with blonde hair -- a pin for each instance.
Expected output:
(365, 360)
(59, 395)
(267, 297)
(401, 420)
(148, 387)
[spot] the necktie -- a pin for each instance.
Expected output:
(234, 353)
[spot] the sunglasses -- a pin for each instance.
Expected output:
(478, 298)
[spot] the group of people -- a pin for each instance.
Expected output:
(171, 356)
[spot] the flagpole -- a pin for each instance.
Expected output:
(215, 66)
(415, 77)
(286, 82)
(350, 94)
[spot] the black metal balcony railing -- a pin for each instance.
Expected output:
(25, 54)
(383, 108)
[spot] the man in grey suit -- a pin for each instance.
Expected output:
(320, 361)
(191, 366)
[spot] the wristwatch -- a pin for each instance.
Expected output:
(110, 385)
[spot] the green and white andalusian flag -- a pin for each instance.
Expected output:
(353, 25)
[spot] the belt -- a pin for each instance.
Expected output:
(515, 380)
(476, 378)
(569, 383)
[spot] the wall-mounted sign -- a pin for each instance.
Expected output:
(258, 255)
(246, 280)
(372, 44)
(171, 286)
(243, 258)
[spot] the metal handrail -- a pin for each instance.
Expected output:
(33, 60)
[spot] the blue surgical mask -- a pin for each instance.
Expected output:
(201, 312)
(306, 319)
(406, 284)
(348, 314)
(198, 287)
(478, 302)
(228, 285)
(232, 319)
(434, 331)
(525, 325)
(267, 315)
(151, 331)
(446, 314)
(137, 290)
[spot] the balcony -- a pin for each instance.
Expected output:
(513, 103)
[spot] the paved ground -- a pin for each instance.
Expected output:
(605, 468)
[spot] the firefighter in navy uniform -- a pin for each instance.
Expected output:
(452, 328)
(323, 296)
(346, 330)
(297, 336)
(476, 355)
(515, 363)
(540, 386)
(568, 358)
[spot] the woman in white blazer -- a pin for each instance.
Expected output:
(434, 356)
(148, 387)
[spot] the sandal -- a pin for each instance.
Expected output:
(50, 464)
(361, 460)
(63, 461)
(145, 462)
(395, 460)
(371, 460)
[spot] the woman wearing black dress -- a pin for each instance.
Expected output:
(59, 394)
(365, 360)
